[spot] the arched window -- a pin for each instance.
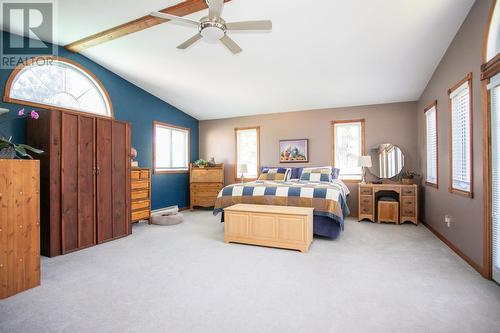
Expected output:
(493, 46)
(57, 83)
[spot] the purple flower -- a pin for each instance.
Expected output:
(34, 115)
(20, 113)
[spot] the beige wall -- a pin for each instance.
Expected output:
(463, 56)
(394, 123)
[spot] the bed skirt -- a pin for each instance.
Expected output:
(326, 227)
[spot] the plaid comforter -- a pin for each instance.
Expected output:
(327, 199)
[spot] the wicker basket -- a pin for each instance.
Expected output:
(407, 181)
(8, 153)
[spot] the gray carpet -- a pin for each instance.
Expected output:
(184, 278)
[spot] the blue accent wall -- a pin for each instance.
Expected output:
(140, 109)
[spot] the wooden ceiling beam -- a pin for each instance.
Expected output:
(184, 8)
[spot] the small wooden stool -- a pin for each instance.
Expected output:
(388, 210)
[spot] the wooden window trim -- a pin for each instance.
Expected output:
(164, 172)
(434, 104)
(469, 194)
(235, 172)
(363, 142)
(29, 62)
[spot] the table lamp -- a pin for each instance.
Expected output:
(243, 169)
(365, 162)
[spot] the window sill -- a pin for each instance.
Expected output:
(461, 192)
(245, 179)
(163, 172)
(435, 185)
(350, 181)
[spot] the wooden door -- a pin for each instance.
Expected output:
(77, 182)
(113, 180)
(19, 226)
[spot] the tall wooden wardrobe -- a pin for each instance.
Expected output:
(85, 179)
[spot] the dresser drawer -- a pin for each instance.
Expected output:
(206, 190)
(207, 175)
(140, 205)
(408, 191)
(136, 174)
(140, 184)
(204, 201)
(365, 210)
(408, 207)
(366, 205)
(366, 200)
(365, 190)
(141, 214)
(140, 194)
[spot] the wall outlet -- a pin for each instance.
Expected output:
(448, 219)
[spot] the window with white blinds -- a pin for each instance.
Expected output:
(348, 138)
(461, 141)
(494, 88)
(431, 174)
(247, 153)
(171, 148)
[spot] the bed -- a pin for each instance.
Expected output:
(327, 198)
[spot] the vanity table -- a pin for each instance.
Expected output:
(397, 199)
(407, 195)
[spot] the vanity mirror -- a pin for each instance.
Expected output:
(387, 161)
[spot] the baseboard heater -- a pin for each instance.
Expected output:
(166, 210)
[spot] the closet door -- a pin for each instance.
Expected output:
(77, 182)
(113, 180)
(494, 88)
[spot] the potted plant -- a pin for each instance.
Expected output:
(408, 177)
(11, 150)
(201, 163)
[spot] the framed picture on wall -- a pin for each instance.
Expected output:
(294, 151)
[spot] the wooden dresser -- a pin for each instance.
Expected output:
(141, 194)
(205, 184)
(406, 194)
(19, 226)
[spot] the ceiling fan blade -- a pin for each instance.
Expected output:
(190, 42)
(174, 18)
(215, 8)
(230, 44)
(250, 25)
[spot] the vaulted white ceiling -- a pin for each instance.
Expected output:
(320, 54)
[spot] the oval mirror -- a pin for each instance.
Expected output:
(387, 160)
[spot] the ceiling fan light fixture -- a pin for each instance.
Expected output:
(212, 31)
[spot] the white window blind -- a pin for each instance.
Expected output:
(431, 145)
(494, 88)
(247, 152)
(171, 148)
(460, 138)
(348, 149)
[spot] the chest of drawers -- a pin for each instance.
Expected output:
(205, 184)
(141, 194)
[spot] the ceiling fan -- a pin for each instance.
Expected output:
(213, 27)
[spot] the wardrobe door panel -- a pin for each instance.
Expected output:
(86, 185)
(104, 181)
(69, 182)
(119, 176)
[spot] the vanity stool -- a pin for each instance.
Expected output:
(388, 210)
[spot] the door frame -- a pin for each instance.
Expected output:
(488, 70)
